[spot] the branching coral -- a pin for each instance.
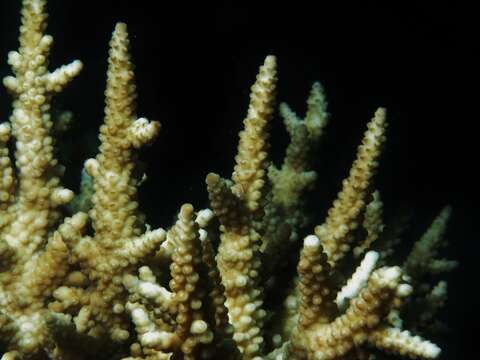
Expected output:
(100, 282)
(118, 243)
(33, 255)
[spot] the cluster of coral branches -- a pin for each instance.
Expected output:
(93, 280)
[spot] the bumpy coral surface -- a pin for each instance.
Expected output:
(219, 283)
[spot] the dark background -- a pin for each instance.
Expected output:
(195, 65)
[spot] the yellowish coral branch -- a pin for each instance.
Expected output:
(343, 216)
(252, 159)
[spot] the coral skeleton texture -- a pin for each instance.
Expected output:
(93, 280)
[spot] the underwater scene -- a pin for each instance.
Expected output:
(246, 180)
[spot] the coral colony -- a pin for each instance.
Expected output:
(101, 284)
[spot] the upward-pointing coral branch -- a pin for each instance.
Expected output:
(343, 216)
(118, 243)
(30, 245)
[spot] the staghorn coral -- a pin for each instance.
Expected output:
(119, 241)
(101, 284)
(33, 255)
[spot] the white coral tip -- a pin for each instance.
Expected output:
(204, 217)
(91, 166)
(61, 196)
(198, 327)
(311, 241)
(404, 290)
